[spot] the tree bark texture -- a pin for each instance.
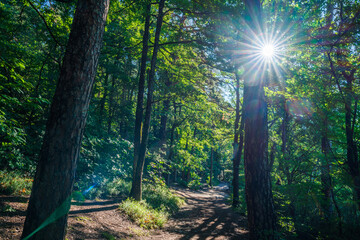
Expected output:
(55, 172)
(261, 216)
(136, 190)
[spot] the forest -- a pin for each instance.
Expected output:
(249, 103)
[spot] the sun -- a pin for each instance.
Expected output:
(268, 51)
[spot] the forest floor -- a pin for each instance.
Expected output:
(206, 215)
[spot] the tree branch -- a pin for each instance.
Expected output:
(47, 26)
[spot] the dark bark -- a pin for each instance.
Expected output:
(352, 154)
(55, 172)
(238, 145)
(140, 96)
(211, 166)
(136, 190)
(261, 216)
(283, 164)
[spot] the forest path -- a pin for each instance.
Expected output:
(205, 216)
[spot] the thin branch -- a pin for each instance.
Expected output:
(47, 26)
(334, 74)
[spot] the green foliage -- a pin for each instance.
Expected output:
(194, 90)
(105, 189)
(4, 208)
(102, 160)
(195, 184)
(14, 183)
(108, 236)
(159, 202)
(161, 197)
(144, 215)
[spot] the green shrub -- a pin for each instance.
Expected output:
(161, 197)
(118, 187)
(15, 183)
(194, 184)
(143, 214)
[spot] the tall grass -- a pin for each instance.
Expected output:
(143, 214)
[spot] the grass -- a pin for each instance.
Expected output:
(108, 236)
(159, 202)
(143, 214)
(4, 208)
(82, 219)
(14, 183)
(160, 197)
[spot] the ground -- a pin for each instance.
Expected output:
(206, 215)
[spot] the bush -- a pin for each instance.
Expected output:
(15, 183)
(143, 214)
(161, 197)
(159, 202)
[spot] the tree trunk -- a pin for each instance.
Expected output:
(140, 96)
(55, 174)
(238, 145)
(211, 166)
(352, 154)
(261, 216)
(136, 190)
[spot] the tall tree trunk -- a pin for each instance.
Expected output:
(284, 162)
(238, 144)
(352, 154)
(141, 90)
(136, 190)
(55, 174)
(211, 166)
(261, 216)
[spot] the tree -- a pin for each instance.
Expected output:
(54, 179)
(261, 216)
(136, 189)
(238, 143)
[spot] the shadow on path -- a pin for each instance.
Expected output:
(206, 216)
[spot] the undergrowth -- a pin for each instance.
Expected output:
(159, 202)
(161, 197)
(143, 214)
(14, 183)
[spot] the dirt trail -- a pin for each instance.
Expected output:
(205, 216)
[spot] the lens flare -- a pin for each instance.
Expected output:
(268, 50)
